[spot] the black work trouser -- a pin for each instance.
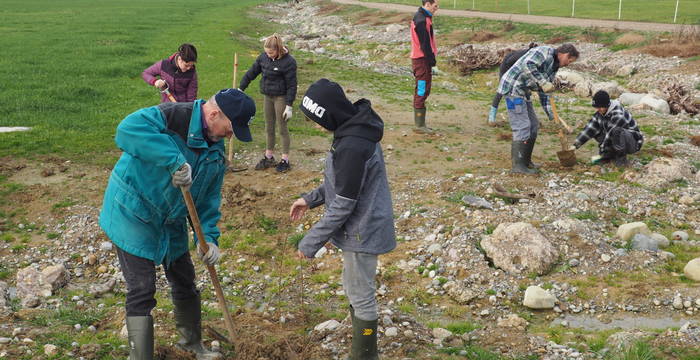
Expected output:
(140, 276)
(621, 142)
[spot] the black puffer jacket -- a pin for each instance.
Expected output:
(279, 76)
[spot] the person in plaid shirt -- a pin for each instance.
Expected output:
(614, 128)
(533, 72)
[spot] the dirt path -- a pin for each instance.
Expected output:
(533, 19)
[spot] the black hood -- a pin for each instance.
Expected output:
(326, 104)
(365, 124)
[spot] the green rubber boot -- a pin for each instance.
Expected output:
(140, 330)
(188, 320)
(518, 153)
(419, 120)
(530, 148)
(364, 339)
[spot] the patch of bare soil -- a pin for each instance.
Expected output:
(672, 48)
(483, 36)
(630, 38)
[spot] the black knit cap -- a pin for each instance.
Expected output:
(326, 104)
(601, 99)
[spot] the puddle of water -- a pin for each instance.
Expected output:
(625, 323)
(6, 129)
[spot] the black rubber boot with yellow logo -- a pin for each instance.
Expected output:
(364, 339)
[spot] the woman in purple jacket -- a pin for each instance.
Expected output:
(177, 73)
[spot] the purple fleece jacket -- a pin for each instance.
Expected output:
(183, 86)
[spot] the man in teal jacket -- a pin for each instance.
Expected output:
(165, 147)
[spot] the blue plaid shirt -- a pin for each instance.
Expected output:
(528, 74)
(600, 127)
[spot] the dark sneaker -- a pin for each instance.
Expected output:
(265, 163)
(283, 166)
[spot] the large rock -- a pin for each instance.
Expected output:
(692, 270)
(661, 240)
(656, 104)
(538, 298)
(329, 325)
(571, 78)
(644, 242)
(626, 70)
(629, 99)
(611, 87)
(512, 321)
(583, 89)
(31, 286)
(518, 247)
(627, 231)
(460, 292)
(441, 334)
(55, 275)
(662, 171)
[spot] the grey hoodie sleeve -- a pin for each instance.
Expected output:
(336, 214)
(316, 197)
(349, 161)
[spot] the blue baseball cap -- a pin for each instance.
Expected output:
(240, 109)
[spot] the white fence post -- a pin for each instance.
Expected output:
(573, 8)
(528, 7)
(619, 11)
(675, 14)
(473, 4)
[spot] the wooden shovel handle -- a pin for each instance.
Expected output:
(556, 116)
(212, 271)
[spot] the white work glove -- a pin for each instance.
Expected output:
(435, 71)
(547, 87)
(212, 256)
(160, 84)
(287, 114)
(183, 176)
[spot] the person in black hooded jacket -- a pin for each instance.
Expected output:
(279, 85)
(358, 216)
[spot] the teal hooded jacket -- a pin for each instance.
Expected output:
(143, 213)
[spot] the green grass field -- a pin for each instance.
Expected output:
(72, 68)
(661, 11)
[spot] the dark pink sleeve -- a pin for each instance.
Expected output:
(149, 75)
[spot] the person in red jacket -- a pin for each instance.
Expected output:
(177, 73)
(423, 52)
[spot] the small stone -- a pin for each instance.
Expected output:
(679, 236)
(391, 332)
(538, 298)
(92, 328)
(106, 246)
(329, 325)
(687, 304)
(644, 242)
(5, 340)
(102, 269)
(77, 327)
(50, 350)
(92, 259)
(574, 262)
(441, 334)
(605, 258)
(677, 302)
(215, 345)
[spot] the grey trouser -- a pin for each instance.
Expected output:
(523, 121)
(274, 108)
(359, 270)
